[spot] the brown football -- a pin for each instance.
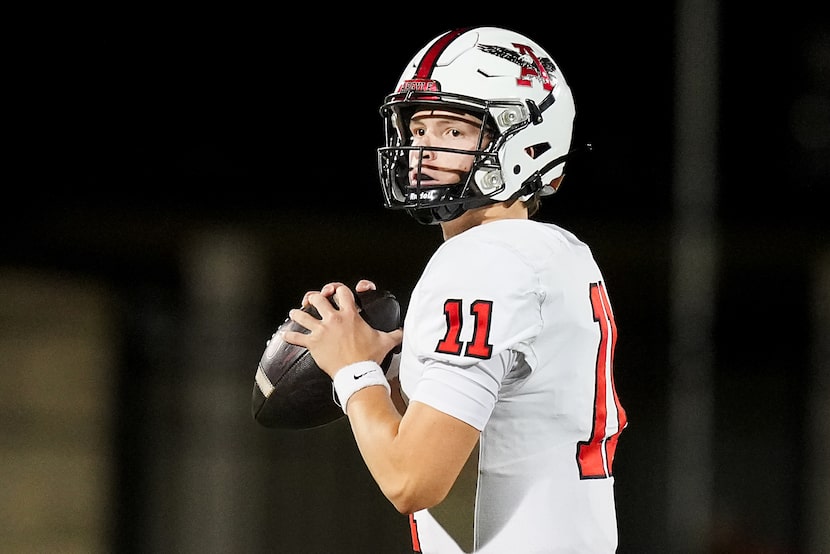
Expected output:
(290, 390)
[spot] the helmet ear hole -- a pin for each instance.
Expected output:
(537, 149)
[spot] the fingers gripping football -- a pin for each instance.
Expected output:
(340, 336)
(291, 391)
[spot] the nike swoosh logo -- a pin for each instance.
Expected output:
(356, 377)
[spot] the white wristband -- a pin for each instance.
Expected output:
(354, 377)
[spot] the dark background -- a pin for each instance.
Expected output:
(139, 135)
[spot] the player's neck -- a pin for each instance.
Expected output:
(485, 214)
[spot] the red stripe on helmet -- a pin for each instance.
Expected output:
(429, 60)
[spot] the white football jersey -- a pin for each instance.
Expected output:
(510, 329)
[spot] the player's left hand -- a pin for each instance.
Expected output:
(328, 290)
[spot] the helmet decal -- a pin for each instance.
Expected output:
(536, 67)
(420, 85)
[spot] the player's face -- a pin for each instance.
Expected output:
(443, 129)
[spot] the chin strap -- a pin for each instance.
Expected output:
(534, 182)
(437, 214)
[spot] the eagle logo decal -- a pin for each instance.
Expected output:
(531, 66)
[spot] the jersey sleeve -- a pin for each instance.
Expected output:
(473, 315)
(466, 393)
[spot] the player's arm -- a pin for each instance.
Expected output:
(414, 458)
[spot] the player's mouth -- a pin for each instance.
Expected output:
(423, 179)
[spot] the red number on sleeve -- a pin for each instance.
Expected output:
(450, 343)
(479, 346)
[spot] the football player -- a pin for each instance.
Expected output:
(508, 341)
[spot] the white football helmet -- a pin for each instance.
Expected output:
(523, 100)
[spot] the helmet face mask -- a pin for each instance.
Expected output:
(523, 104)
(401, 164)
